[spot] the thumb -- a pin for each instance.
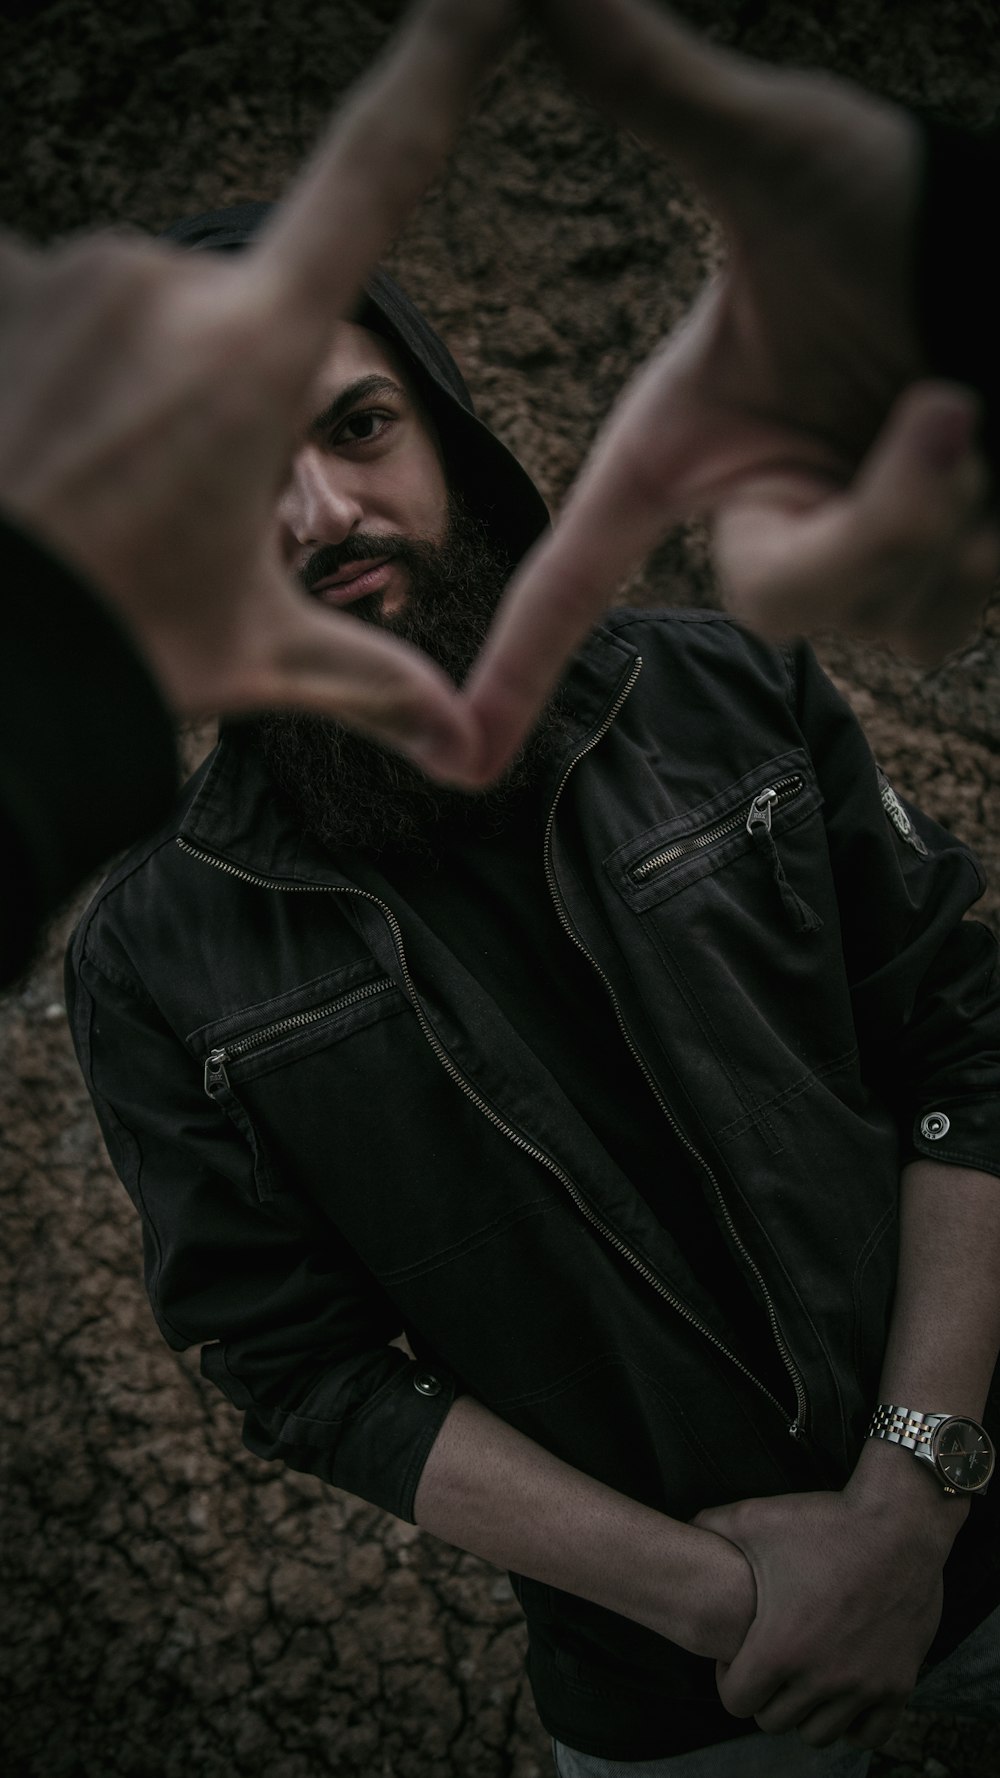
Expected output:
(713, 1518)
(635, 484)
(922, 479)
(285, 650)
(795, 555)
(923, 498)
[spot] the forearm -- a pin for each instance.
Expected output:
(88, 757)
(850, 1583)
(954, 286)
(490, 1490)
(944, 1335)
(945, 1331)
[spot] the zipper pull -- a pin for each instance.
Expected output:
(760, 810)
(216, 1078)
(803, 917)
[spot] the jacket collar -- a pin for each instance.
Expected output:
(236, 815)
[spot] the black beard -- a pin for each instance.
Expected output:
(347, 790)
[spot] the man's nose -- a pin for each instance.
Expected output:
(318, 505)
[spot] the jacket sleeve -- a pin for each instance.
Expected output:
(955, 280)
(88, 757)
(924, 979)
(292, 1328)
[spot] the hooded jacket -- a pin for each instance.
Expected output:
(335, 1134)
(495, 486)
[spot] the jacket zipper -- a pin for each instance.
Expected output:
(217, 1060)
(492, 1116)
(765, 799)
(520, 1142)
(754, 814)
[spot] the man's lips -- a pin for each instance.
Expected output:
(354, 581)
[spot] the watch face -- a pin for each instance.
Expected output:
(963, 1454)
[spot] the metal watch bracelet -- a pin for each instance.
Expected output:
(961, 1461)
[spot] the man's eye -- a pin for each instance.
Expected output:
(362, 427)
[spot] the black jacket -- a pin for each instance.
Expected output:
(88, 759)
(332, 1135)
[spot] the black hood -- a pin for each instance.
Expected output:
(489, 477)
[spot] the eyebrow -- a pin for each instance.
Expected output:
(361, 390)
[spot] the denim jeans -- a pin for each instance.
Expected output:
(967, 1683)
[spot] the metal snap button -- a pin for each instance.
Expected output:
(426, 1383)
(935, 1125)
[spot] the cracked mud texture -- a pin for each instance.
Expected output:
(170, 1606)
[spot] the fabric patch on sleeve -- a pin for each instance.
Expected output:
(898, 816)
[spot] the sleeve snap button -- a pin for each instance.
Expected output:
(935, 1125)
(426, 1383)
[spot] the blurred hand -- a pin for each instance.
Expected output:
(152, 399)
(785, 404)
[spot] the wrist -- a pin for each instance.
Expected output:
(888, 1484)
(711, 1611)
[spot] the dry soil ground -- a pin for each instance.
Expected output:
(171, 1608)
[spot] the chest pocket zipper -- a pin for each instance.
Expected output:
(216, 1071)
(756, 818)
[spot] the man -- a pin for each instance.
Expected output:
(143, 388)
(596, 1087)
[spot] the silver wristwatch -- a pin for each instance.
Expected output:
(957, 1450)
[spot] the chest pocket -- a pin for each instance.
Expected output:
(244, 1046)
(752, 819)
(735, 901)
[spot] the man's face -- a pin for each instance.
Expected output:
(368, 478)
(368, 523)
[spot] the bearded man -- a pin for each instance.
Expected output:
(651, 1096)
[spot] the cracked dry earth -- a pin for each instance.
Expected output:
(170, 1607)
